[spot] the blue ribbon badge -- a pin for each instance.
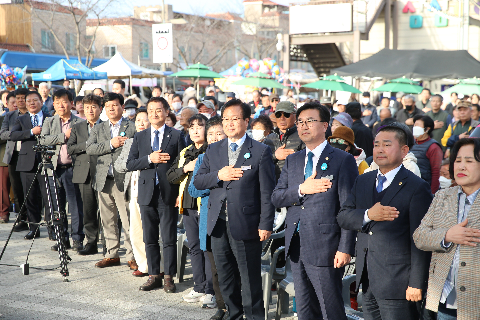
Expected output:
(324, 166)
(247, 155)
(122, 134)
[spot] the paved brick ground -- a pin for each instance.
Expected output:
(92, 293)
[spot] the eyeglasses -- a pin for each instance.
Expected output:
(234, 119)
(280, 113)
(339, 141)
(275, 100)
(308, 122)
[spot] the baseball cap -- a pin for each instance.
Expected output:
(343, 102)
(344, 118)
(274, 96)
(230, 95)
(130, 106)
(285, 106)
(206, 103)
(208, 89)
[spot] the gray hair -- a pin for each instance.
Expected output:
(43, 84)
(191, 109)
(409, 96)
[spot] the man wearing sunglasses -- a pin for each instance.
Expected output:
(286, 140)
(274, 100)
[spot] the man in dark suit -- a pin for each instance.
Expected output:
(26, 130)
(4, 182)
(385, 207)
(11, 156)
(363, 134)
(240, 174)
(56, 132)
(106, 141)
(313, 184)
(153, 152)
(84, 168)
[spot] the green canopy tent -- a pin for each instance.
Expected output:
(333, 83)
(467, 86)
(259, 80)
(400, 85)
(198, 71)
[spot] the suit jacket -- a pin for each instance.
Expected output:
(320, 235)
(52, 134)
(21, 132)
(121, 163)
(248, 199)
(98, 144)
(7, 126)
(172, 143)
(3, 145)
(441, 216)
(394, 262)
(84, 165)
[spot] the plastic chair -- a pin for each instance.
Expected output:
(284, 291)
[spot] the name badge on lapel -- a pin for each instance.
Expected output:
(330, 177)
(246, 168)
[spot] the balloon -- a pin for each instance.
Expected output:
(276, 70)
(239, 70)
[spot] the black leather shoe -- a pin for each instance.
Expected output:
(218, 315)
(31, 234)
(67, 246)
(152, 283)
(89, 249)
(21, 226)
(77, 245)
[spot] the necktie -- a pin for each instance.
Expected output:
(156, 147)
(381, 179)
(233, 147)
(35, 121)
(309, 166)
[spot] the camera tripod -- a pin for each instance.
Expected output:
(46, 169)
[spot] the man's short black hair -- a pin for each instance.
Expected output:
(354, 110)
(10, 94)
(62, 93)
(453, 93)
(98, 89)
(161, 100)
(384, 97)
(77, 99)
(323, 111)
(2, 93)
(246, 111)
(438, 96)
(194, 98)
(215, 103)
(132, 101)
(92, 99)
(29, 93)
(212, 122)
(157, 87)
(473, 105)
(456, 147)
(402, 133)
(121, 82)
(177, 95)
(426, 89)
(111, 96)
(21, 92)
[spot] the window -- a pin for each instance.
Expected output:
(145, 15)
(144, 51)
(70, 41)
(109, 51)
(89, 39)
(48, 41)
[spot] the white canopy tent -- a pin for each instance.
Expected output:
(118, 67)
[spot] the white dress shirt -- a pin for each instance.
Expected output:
(317, 152)
(161, 131)
(239, 142)
(114, 132)
(389, 176)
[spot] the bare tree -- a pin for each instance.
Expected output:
(261, 40)
(52, 13)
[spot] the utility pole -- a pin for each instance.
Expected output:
(164, 66)
(464, 23)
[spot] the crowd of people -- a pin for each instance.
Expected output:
(356, 180)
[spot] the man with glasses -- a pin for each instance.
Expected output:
(240, 174)
(312, 186)
(286, 139)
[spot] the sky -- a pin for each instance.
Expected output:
(199, 7)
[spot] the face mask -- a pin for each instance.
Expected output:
(444, 182)
(408, 107)
(365, 100)
(418, 131)
(192, 104)
(130, 112)
(258, 134)
(335, 108)
(208, 115)
(176, 106)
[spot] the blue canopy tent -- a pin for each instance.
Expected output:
(68, 70)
